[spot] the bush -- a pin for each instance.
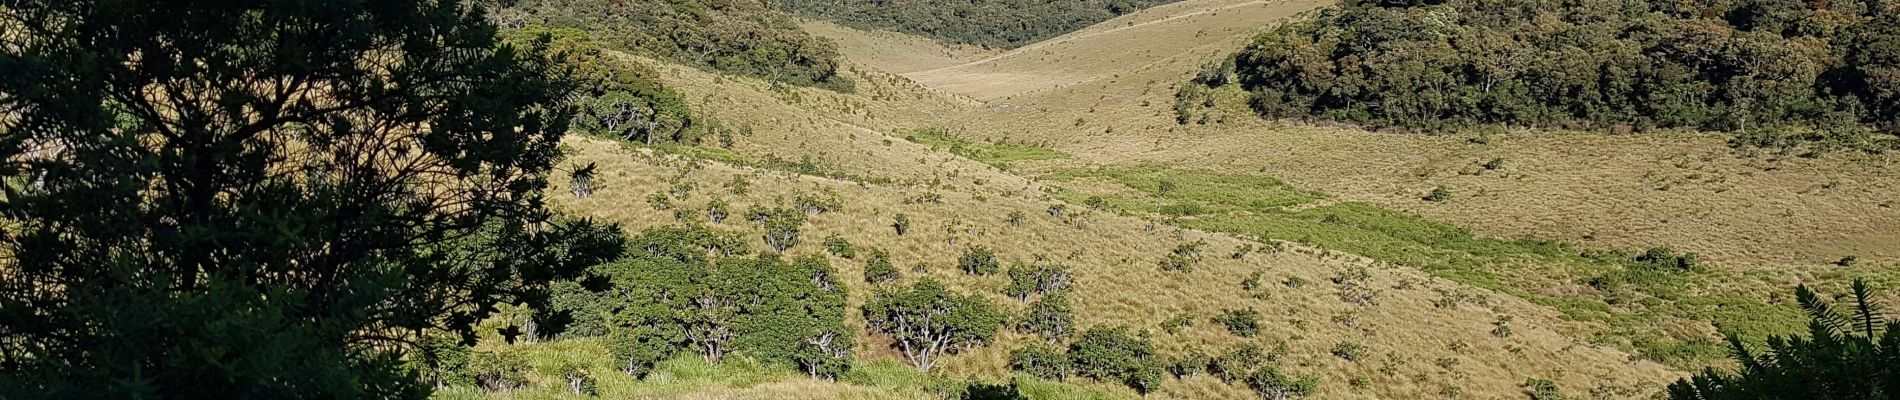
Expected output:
(1190, 363)
(927, 321)
(1184, 257)
(1438, 194)
(1043, 279)
(1242, 322)
(1041, 361)
(978, 260)
(1349, 351)
(1174, 325)
(1112, 355)
(1542, 389)
(717, 211)
(1236, 365)
(901, 224)
(878, 269)
(496, 371)
(1050, 317)
(1270, 384)
(837, 246)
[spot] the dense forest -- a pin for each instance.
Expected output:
(734, 36)
(993, 23)
(1768, 69)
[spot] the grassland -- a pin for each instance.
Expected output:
(1538, 230)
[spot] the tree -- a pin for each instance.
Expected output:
(927, 321)
(270, 195)
(1847, 355)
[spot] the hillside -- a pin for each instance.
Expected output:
(924, 199)
(960, 190)
(1756, 220)
(987, 23)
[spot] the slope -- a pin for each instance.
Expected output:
(1759, 222)
(1351, 321)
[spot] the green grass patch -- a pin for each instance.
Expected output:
(1643, 306)
(1000, 154)
(1184, 192)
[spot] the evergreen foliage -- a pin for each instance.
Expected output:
(1848, 354)
(991, 23)
(734, 36)
(1771, 70)
(928, 321)
(268, 199)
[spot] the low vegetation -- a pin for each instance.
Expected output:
(731, 36)
(1772, 71)
(993, 23)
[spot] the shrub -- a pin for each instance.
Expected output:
(1270, 384)
(901, 224)
(1349, 351)
(878, 269)
(1043, 279)
(837, 246)
(1235, 365)
(1438, 194)
(1184, 257)
(927, 321)
(1050, 317)
(1665, 259)
(1242, 322)
(717, 211)
(817, 203)
(978, 260)
(1355, 286)
(1112, 355)
(1190, 363)
(497, 371)
(1015, 218)
(1174, 325)
(1502, 327)
(1542, 389)
(1847, 261)
(1041, 361)
(781, 227)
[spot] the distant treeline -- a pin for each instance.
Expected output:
(993, 23)
(1773, 70)
(735, 36)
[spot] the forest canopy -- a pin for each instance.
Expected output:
(1771, 70)
(993, 23)
(733, 36)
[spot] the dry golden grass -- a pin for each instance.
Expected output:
(1104, 95)
(1689, 191)
(896, 52)
(1102, 51)
(1119, 283)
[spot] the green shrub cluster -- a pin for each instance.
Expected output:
(686, 289)
(733, 36)
(992, 23)
(1758, 67)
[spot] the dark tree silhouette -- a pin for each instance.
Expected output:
(266, 199)
(1847, 355)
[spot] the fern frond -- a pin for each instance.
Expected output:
(1866, 312)
(1822, 314)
